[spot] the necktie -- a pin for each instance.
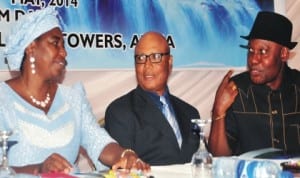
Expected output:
(171, 119)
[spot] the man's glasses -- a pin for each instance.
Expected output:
(154, 58)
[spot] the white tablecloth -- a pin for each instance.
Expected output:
(175, 171)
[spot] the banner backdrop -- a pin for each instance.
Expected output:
(102, 34)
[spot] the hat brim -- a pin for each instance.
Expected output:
(245, 37)
(290, 45)
(244, 46)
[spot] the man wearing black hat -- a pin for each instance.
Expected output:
(260, 108)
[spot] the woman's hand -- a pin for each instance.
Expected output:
(117, 157)
(129, 160)
(55, 163)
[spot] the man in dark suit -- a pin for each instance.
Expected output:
(159, 133)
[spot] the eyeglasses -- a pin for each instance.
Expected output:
(153, 57)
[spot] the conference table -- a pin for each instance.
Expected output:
(176, 171)
(181, 170)
(185, 170)
(169, 171)
(172, 171)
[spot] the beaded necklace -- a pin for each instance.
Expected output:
(40, 103)
(43, 103)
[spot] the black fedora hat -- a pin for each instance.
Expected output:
(273, 27)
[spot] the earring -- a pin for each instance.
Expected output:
(32, 65)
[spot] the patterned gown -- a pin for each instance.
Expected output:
(68, 124)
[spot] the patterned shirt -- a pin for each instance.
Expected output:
(262, 118)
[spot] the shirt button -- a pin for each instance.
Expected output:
(274, 112)
(276, 140)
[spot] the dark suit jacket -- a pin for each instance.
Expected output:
(137, 123)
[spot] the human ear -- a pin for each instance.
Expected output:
(170, 63)
(30, 48)
(284, 54)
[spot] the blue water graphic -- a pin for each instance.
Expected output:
(206, 33)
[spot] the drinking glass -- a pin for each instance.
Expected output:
(5, 170)
(202, 160)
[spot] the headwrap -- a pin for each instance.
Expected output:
(26, 30)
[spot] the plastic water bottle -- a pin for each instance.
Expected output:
(224, 167)
(228, 167)
(258, 169)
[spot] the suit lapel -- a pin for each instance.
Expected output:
(183, 122)
(146, 110)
